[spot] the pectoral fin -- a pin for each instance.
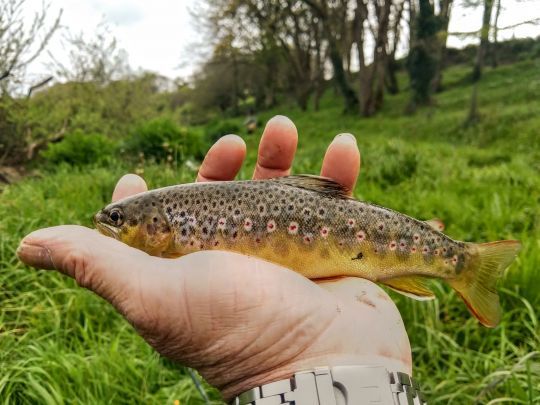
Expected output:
(416, 287)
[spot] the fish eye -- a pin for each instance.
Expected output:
(116, 217)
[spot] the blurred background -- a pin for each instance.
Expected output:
(442, 95)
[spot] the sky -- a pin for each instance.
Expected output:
(163, 37)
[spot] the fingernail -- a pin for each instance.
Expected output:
(35, 256)
(232, 138)
(345, 138)
(281, 120)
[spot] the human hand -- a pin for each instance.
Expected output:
(240, 321)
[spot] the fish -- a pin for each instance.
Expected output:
(311, 225)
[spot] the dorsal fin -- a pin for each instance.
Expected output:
(322, 185)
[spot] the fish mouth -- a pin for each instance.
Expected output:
(107, 230)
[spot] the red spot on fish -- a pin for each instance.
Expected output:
(416, 238)
(324, 232)
(258, 240)
(392, 245)
(293, 228)
(454, 259)
(436, 252)
(271, 226)
(360, 236)
(413, 249)
(307, 239)
(425, 250)
(351, 222)
(216, 243)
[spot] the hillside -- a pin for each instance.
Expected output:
(59, 342)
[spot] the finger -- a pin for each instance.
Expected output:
(223, 160)
(108, 267)
(276, 149)
(129, 185)
(342, 161)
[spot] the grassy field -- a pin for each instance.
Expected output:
(60, 344)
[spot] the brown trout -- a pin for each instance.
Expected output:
(310, 225)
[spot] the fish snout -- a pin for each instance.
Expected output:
(100, 217)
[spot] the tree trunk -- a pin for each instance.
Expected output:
(351, 101)
(364, 90)
(479, 63)
(495, 44)
(340, 77)
(379, 54)
(391, 65)
(444, 15)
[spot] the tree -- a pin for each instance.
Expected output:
(92, 59)
(327, 15)
(445, 8)
(422, 60)
(21, 43)
(375, 15)
(479, 62)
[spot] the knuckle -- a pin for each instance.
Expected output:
(77, 264)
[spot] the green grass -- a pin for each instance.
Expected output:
(59, 343)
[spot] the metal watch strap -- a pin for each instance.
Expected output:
(340, 385)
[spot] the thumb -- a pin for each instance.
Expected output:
(104, 265)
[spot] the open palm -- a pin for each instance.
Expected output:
(238, 320)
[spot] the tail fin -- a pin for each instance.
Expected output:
(477, 285)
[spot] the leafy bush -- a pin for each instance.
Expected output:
(79, 149)
(217, 129)
(162, 140)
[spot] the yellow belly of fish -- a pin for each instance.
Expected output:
(323, 258)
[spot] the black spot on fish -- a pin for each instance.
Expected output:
(155, 219)
(153, 204)
(359, 256)
(175, 205)
(460, 263)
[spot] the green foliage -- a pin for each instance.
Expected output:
(60, 342)
(217, 129)
(80, 149)
(162, 140)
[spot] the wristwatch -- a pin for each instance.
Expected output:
(339, 385)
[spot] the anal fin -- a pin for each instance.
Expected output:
(416, 287)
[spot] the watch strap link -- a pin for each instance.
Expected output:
(340, 385)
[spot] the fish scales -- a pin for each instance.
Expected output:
(305, 223)
(270, 217)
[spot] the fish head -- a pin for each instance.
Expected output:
(137, 221)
